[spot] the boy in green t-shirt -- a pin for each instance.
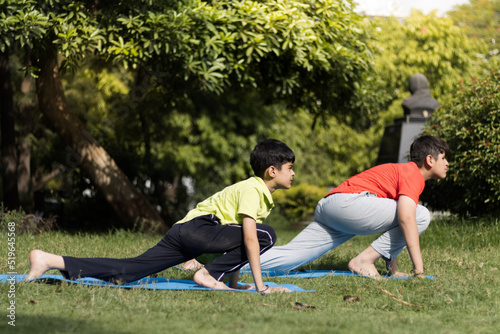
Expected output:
(228, 222)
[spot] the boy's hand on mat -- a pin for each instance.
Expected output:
(273, 289)
(243, 287)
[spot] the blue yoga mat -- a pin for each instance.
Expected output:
(316, 273)
(144, 283)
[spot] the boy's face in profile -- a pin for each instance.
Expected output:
(439, 166)
(284, 176)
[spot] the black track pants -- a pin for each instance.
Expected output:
(182, 242)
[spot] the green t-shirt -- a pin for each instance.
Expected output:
(250, 197)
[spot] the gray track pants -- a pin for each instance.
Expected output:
(338, 218)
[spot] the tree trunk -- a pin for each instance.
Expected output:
(9, 154)
(26, 111)
(24, 163)
(83, 150)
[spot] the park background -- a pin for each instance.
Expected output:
(117, 117)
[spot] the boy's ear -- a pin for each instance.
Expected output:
(271, 170)
(429, 160)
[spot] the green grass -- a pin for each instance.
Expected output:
(463, 254)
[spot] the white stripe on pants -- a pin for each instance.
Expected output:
(338, 218)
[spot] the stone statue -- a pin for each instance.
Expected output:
(420, 103)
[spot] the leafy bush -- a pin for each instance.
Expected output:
(298, 202)
(471, 127)
(19, 222)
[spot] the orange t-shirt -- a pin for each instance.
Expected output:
(386, 181)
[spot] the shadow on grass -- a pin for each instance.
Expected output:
(54, 324)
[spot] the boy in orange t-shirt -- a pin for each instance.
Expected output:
(382, 199)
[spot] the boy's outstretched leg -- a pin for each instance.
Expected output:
(364, 263)
(203, 278)
(41, 261)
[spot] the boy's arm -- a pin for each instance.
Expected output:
(252, 248)
(407, 221)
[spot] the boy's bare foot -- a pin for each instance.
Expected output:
(41, 261)
(364, 268)
(192, 265)
(38, 264)
(203, 278)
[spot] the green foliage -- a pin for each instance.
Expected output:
(20, 24)
(298, 202)
(204, 73)
(67, 24)
(424, 44)
(209, 139)
(311, 53)
(189, 87)
(471, 126)
(330, 152)
(307, 53)
(480, 19)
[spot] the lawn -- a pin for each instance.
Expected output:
(464, 255)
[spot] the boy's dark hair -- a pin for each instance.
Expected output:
(270, 152)
(427, 145)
